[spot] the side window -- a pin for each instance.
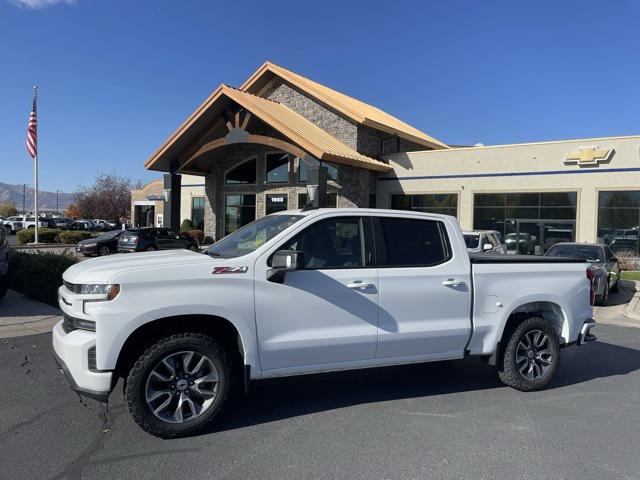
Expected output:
(332, 243)
(413, 243)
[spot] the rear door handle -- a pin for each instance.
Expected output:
(359, 285)
(452, 282)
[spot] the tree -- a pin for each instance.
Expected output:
(72, 211)
(107, 198)
(7, 210)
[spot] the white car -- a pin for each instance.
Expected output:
(301, 292)
(13, 224)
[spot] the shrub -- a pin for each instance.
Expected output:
(628, 260)
(38, 275)
(72, 236)
(187, 225)
(197, 234)
(45, 235)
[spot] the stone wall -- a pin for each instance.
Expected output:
(330, 121)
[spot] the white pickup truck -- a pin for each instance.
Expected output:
(301, 292)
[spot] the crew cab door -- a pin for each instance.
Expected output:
(425, 287)
(326, 312)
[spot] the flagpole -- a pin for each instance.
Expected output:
(35, 194)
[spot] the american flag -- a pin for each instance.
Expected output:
(32, 131)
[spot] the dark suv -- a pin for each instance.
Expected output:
(150, 238)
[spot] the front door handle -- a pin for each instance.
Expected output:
(452, 282)
(359, 285)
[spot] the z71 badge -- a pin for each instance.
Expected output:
(220, 270)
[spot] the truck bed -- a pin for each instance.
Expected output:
(488, 258)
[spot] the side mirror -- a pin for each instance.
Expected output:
(614, 259)
(284, 261)
(487, 246)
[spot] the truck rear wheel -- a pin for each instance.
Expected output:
(178, 385)
(531, 355)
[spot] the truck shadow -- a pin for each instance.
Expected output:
(279, 399)
(624, 294)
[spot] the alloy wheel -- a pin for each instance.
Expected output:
(534, 355)
(182, 386)
(104, 251)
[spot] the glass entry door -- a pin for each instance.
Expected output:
(535, 237)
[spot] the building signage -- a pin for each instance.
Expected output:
(276, 199)
(588, 156)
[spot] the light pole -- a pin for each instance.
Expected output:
(57, 191)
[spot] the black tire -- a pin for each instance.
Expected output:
(136, 383)
(509, 372)
(150, 248)
(603, 300)
(4, 286)
(615, 288)
(193, 248)
(102, 251)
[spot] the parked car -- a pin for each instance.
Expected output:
(102, 225)
(526, 243)
(147, 239)
(484, 241)
(604, 263)
(4, 263)
(311, 291)
(102, 245)
(13, 224)
(63, 223)
(83, 225)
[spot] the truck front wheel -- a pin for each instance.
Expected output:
(178, 385)
(531, 355)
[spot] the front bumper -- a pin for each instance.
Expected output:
(585, 334)
(71, 352)
(86, 250)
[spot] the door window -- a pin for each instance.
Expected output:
(413, 243)
(331, 243)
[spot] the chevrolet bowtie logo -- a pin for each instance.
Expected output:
(586, 156)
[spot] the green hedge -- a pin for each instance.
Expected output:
(45, 235)
(187, 225)
(50, 235)
(38, 275)
(72, 236)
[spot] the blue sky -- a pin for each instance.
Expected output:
(117, 77)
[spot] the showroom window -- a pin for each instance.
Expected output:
(540, 219)
(303, 172)
(443, 203)
(490, 210)
(619, 220)
(197, 212)
(332, 200)
(243, 174)
(238, 211)
(276, 203)
(277, 168)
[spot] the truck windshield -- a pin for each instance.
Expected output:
(252, 236)
(471, 240)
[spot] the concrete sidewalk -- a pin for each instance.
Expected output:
(20, 316)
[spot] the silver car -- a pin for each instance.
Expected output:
(603, 261)
(484, 241)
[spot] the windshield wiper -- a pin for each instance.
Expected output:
(212, 254)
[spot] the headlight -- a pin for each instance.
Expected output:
(109, 291)
(90, 244)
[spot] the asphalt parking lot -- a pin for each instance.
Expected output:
(447, 420)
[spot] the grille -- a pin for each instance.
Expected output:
(91, 358)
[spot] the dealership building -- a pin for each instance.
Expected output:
(248, 151)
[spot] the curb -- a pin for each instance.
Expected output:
(633, 307)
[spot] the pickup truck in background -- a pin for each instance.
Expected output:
(301, 292)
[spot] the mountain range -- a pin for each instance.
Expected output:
(46, 200)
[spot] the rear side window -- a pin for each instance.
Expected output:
(413, 243)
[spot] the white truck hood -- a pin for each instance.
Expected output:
(102, 269)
